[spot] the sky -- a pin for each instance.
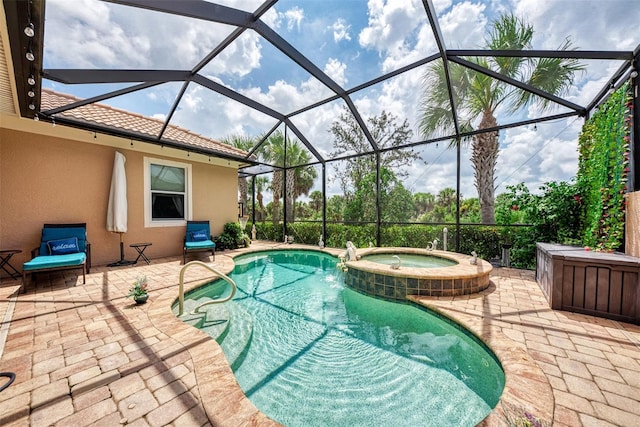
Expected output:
(352, 41)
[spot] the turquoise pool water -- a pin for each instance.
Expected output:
(411, 260)
(307, 351)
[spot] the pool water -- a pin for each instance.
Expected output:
(317, 353)
(411, 260)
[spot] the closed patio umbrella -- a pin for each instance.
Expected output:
(117, 208)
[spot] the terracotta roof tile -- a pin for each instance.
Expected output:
(104, 115)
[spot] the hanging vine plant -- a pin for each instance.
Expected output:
(602, 172)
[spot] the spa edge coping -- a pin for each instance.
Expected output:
(463, 270)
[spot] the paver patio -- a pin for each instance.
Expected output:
(85, 355)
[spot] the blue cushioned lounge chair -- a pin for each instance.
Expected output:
(62, 247)
(198, 239)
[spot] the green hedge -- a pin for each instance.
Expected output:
(486, 241)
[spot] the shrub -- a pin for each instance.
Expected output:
(484, 240)
(232, 236)
(553, 217)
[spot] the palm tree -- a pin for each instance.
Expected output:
(446, 199)
(423, 202)
(299, 180)
(477, 96)
(260, 183)
(316, 201)
(244, 143)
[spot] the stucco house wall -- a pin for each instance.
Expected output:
(50, 179)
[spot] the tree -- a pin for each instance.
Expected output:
(335, 208)
(243, 143)
(349, 137)
(470, 210)
(299, 183)
(477, 96)
(316, 202)
(261, 182)
(422, 203)
(395, 200)
(298, 180)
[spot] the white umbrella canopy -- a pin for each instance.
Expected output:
(117, 207)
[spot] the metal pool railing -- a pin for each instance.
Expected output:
(216, 301)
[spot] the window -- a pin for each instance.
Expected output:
(167, 187)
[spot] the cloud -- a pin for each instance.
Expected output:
(294, 17)
(538, 154)
(400, 32)
(390, 23)
(464, 26)
(598, 25)
(340, 30)
(238, 59)
(94, 34)
(519, 147)
(83, 34)
(335, 69)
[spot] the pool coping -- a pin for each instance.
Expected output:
(464, 269)
(526, 386)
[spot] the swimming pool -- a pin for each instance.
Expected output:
(307, 350)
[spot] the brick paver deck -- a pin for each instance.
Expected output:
(84, 355)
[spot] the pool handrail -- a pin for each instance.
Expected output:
(228, 279)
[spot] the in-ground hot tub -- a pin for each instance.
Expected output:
(423, 272)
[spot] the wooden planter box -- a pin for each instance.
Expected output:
(594, 283)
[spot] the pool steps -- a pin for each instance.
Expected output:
(237, 338)
(228, 323)
(214, 320)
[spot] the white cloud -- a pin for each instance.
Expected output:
(340, 30)
(240, 58)
(539, 154)
(464, 26)
(441, 5)
(93, 34)
(390, 23)
(316, 124)
(519, 147)
(400, 33)
(336, 70)
(247, 5)
(82, 34)
(597, 25)
(294, 17)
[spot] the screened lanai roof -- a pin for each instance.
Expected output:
(249, 68)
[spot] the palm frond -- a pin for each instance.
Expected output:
(510, 33)
(552, 75)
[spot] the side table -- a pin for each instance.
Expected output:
(140, 247)
(5, 256)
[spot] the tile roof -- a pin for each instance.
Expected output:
(121, 120)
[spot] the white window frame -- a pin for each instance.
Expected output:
(148, 220)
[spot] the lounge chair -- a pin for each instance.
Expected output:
(62, 247)
(198, 238)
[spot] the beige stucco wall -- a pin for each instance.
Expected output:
(45, 179)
